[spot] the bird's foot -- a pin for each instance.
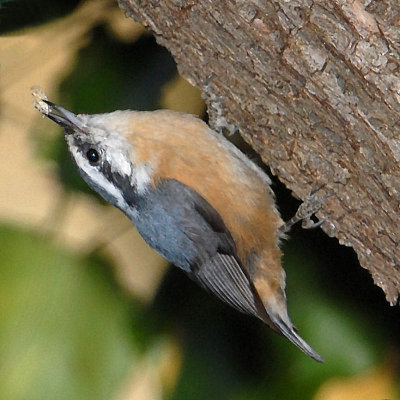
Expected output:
(306, 210)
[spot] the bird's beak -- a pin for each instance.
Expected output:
(67, 119)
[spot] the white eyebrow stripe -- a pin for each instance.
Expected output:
(117, 157)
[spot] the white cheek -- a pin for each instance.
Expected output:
(98, 179)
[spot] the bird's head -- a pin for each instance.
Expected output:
(103, 154)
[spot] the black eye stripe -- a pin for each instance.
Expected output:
(122, 182)
(90, 151)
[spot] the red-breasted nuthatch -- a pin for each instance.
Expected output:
(194, 198)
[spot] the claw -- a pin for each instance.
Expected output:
(311, 205)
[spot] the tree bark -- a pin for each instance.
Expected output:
(314, 87)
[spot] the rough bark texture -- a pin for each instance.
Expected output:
(314, 87)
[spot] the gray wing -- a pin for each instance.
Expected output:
(181, 225)
(223, 275)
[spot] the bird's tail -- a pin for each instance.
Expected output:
(289, 330)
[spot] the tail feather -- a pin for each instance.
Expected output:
(289, 331)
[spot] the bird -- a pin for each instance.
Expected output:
(193, 196)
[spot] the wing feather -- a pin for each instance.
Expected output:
(223, 275)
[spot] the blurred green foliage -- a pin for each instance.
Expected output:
(112, 75)
(64, 325)
(68, 332)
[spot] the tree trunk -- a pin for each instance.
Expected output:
(314, 87)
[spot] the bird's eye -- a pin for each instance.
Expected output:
(93, 156)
